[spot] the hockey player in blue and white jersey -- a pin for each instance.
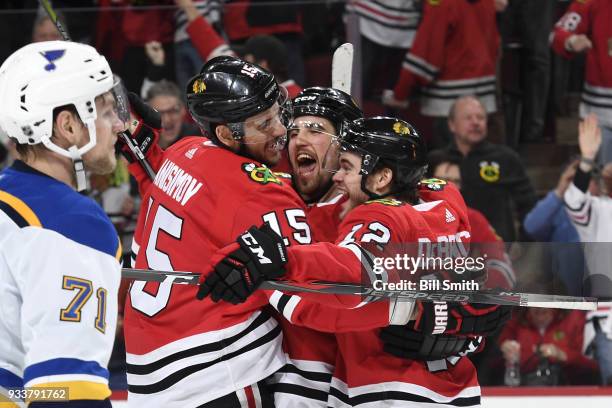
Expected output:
(59, 252)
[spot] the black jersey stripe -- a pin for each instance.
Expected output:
(177, 376)
(138, 369)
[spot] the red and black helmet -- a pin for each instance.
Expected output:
(332, 104)
(230, 90)
(388, 142)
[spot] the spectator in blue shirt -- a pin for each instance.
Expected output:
(549, 222)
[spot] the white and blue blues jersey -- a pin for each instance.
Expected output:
(59, 278)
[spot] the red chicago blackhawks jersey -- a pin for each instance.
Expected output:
(184, 352)
(363, 371)
(453, 54)
(311, 354)
(592, 18)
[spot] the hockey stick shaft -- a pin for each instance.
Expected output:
(53, 16)
(494, 297)
(136, 152)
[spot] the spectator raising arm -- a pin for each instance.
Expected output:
(539, 223)
(203, 36)
(585, 210)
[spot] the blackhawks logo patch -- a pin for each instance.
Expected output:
(386, 201)
(260, 174)
(489, 171)
(198, 86)
(401, 129)
(434, 184)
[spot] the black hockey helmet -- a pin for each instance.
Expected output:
(332, 104)
(388, 142)
(229, 90)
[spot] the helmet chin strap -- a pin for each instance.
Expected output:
(79, 168)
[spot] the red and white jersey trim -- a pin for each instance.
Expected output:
(217, 361)
(397, 395)
(301, 384)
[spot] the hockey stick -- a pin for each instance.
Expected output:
(342, 68)
(136, 152)
(490, 296)
(51, 13)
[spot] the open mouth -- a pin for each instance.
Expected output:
(306, 163)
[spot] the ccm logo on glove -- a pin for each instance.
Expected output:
(258, 251)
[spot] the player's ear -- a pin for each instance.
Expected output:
(67, 129)
(384, 178)
(224, 134)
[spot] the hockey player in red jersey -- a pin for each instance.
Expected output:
(385, 148)
(181, 352)
(319, 116)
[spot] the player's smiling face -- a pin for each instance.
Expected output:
(312, 155)
(264, 136)
(348, 178)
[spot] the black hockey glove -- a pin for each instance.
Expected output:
(405, 342)
(148, 126)
(259, 254)
(461, 319)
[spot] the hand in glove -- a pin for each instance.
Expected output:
(405, 342)
(145, 128)
(258, 254)
(463, 319)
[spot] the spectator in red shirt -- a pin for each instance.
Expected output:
(556, 336)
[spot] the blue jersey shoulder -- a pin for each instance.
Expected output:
(58, 207)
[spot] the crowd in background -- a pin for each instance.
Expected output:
(481, 98)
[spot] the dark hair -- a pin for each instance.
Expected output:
(270, 49)
(402, 190)
(437, 157)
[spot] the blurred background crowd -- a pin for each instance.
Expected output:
(497, 87)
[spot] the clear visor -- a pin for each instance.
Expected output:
(122, 107)
(320, 144)
(268, 121)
